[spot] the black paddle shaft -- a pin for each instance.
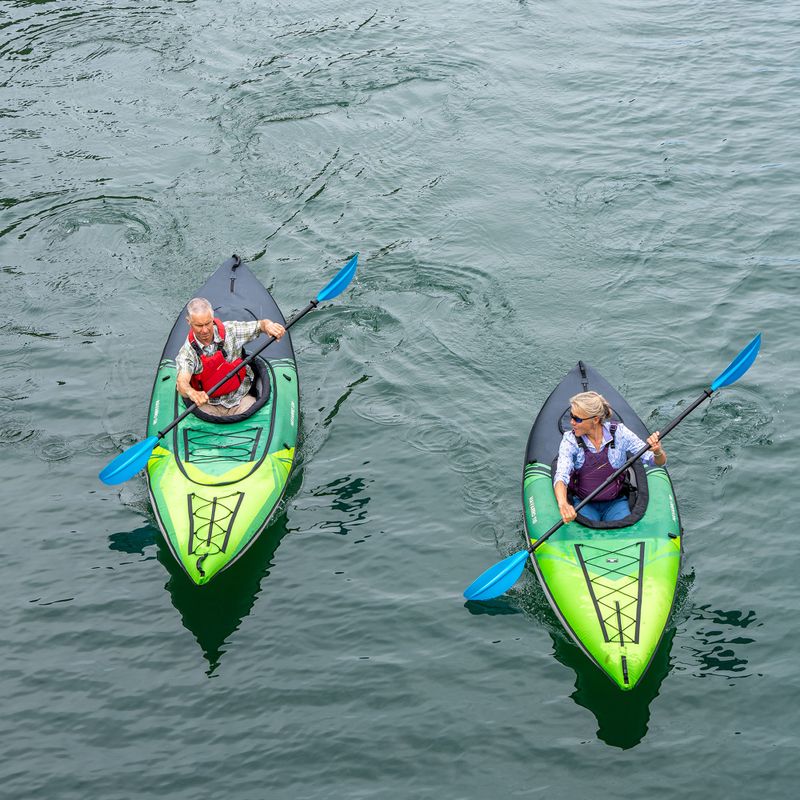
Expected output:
(632, 460)
(299, 315)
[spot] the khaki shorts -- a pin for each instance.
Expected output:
(221, 411)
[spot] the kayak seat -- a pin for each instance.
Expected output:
(636, 489)
(260, 389)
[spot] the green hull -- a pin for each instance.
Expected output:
(214, 487)
(215, 483)
(612, 584)
(612, 589)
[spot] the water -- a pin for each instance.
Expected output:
(527, 184)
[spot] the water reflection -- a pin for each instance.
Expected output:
(715, 644)
(212, 613)
(715, 647)
(502, 605)
(134, 542)
(622, 717)
(345, 501)
(713, 639)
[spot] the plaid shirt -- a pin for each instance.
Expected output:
(237, 334)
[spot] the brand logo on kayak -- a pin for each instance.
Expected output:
(291, 416)
(155, 411)
(532, 508)
(672, 509)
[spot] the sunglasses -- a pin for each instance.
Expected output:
(579, 419)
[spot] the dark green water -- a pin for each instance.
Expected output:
(528, 184)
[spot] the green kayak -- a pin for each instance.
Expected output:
(215, 482)
(612, 584)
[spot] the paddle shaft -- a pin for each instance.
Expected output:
(632, 460)
(299, 315)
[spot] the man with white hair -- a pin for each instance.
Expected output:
(211, 350)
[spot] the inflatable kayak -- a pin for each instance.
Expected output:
(612, 584)
(215, 482)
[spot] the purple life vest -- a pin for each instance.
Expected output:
(596, 470)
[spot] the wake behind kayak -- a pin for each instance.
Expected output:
(215, 482)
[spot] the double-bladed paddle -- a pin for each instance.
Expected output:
(503, 575)
(129, 462)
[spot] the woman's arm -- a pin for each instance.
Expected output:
(564, 468)
(565, 508)
(632, 443)
(659, 456)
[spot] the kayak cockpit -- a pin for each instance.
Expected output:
(634, 488)
(260, 389)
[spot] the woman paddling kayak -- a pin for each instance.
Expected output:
(612, 583)
(590, 453)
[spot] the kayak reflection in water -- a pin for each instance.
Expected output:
(590, 453)
(211, 350)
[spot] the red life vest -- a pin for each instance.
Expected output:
(216, 367)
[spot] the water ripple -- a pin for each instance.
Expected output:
(65, 219)
(526, 187)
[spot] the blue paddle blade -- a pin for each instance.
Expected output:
(128, 463)
(739, 365)
(498, 579)
(340, 282)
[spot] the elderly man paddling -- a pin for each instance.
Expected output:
(212, 349)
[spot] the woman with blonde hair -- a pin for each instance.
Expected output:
(590, 453)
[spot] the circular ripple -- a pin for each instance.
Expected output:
(480, 495)
(373, 331)
(54, 448)
(15, 432)
(385, 410)
(431, 435)
(468, 459)
(488, 532)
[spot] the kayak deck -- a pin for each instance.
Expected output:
(214, 485)
(613, 590)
